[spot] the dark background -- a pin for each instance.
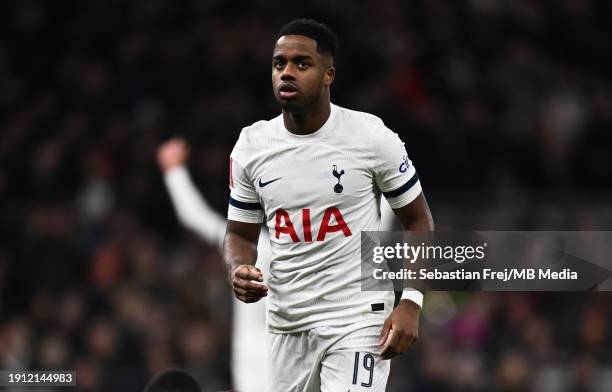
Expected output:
(505, 108)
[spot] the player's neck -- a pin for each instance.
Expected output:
(307, 121)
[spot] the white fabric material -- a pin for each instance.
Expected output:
(315, 273)
(192, 210)
(388, 220)
(328, 359)
(249, 360)
(248, 327)
(414, 296)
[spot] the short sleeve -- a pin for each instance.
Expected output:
(394, 173)
(244, 205)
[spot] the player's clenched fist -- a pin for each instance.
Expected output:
(172, 153)
(244, 280)
(401, 329)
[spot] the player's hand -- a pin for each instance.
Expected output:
(244, 278)
(172, 153)
(401, 329)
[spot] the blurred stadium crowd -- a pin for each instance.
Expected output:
(505, 107)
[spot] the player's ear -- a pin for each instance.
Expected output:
(330, 75)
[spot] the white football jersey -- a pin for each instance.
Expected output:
(316, 193)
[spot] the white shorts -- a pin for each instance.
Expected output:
(328, 359)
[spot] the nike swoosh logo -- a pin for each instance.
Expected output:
(262, 184)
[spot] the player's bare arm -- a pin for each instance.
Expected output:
(415, 216)
(401, 328)
(240, 254)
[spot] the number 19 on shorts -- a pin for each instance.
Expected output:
(368, 369)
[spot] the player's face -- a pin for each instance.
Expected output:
(300, 74)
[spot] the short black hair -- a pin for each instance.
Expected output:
(327, 42)
(173, 380)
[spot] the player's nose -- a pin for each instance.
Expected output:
(288, 73)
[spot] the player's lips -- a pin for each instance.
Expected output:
(287, 94)
(287, 90)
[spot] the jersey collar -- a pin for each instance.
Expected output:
(329, 124)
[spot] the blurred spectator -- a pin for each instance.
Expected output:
(173, 380)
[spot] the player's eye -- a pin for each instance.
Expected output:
(279, 65)
(302, 65)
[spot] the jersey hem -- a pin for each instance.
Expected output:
(376, 318)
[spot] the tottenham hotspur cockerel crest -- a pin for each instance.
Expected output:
(338, 188)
